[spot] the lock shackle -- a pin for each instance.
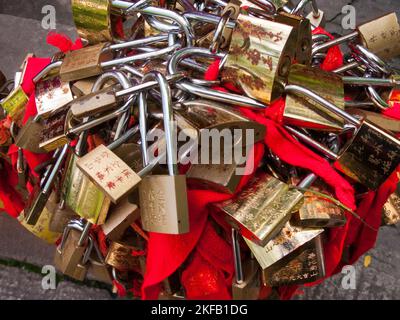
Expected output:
(371, 60)
(169, 127)
(46, 70)
(329, 44)
(120, 77)
(301, 91)
(392, 81)
(151, 13)
(202, 16)
(136, 43)
(376, 99)
(217, 38)
(301, 5)
(265, 5)
(140, 56)
(320, 38)
(207, 93)
(237, 257)
(72, 225)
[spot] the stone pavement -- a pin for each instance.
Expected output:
(22, 255)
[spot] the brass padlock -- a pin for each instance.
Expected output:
(261, 209)
(163, 198)
(304, 112)
(120, 256)
(92, 20)
(391, 210)
(14, 104)
(246, 284)
(83, 197)
(29, 136)
(119, 219)
(72, 255)
(304, 265)
(61, 216)
(259, 58)
(302, 29)
(319, 211)
(380, 36)
(379, 119)
(370, 156)
(288, 240)
(51, 94)
(208, 115)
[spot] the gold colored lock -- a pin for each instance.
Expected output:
(119, 219)
(83, 197)
(14, 104)
(92, 20)
(319, 212)
(287, 241)
(84, 63)
(302, 29)
(62, 215)
(259, 58)
(261, 209)
(120, 257)
(304, 112)
(29, 135)
(304, 265)
(391, 210)
(208, 115)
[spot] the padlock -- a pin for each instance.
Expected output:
(120, 256)
(304, 265)
(304, 112)
(91, 61)
(61, 216)
(302, 29)
(41, 228)
(200, 91)
(259, 57)
(14, 104)
(52, 135)
(163, 198)
(287, 241)
(73, 253)
(246, 284)
(51, 94)
(391, 210)
(378, 119)
(370, 156)
(261, 209)
(38, 201)
(209, 115)
(119, 219)
(29, 136)
(92, 20)
(380, 36)
(318, 211)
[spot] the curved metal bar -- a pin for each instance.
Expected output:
(208, 93)
(46, 70)
(298, 90)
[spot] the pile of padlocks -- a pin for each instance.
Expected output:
(318, 129)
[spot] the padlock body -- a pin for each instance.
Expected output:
(164, 204)
(304, 265)
(93, 103)
(120, 257)
(371, 156)
(262, 208)
(83, 63)
(289, 239)
(381, 36)
(92, 20)
(304, 112)
(260, 54)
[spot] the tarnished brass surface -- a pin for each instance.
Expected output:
(305, 112)
(259, 58)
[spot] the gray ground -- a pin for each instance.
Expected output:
(22, 255)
